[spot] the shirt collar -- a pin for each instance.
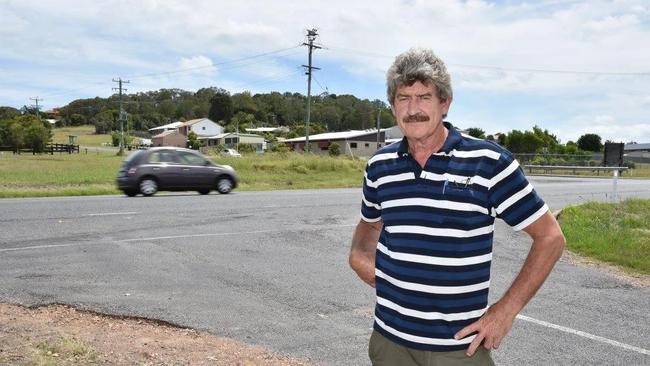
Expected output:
(453, 137)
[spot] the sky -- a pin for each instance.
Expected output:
(572, 67)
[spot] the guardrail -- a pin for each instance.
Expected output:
(575, 169)
(614, 169)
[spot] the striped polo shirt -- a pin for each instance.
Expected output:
(435, 249)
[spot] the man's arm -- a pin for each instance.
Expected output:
(362, 252)
(548, 243)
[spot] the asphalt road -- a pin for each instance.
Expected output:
(270, 268)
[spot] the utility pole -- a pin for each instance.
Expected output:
(311, 36)
(38, 109)
(378, 126)
(122, 117)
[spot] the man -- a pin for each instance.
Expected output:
(425, 235)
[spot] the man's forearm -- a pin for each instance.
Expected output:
(543, 255)
(362, 252)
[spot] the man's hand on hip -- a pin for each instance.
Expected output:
(491, 328)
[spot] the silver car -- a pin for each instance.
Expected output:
(173, 169)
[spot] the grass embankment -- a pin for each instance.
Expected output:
(613, 233)
(94, 173)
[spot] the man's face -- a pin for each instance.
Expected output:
(418, 110)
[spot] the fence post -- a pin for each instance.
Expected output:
(614, 188)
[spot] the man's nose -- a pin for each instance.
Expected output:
(413, 107)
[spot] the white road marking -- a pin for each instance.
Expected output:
(324, 227)
(584, 334)
(112, 213)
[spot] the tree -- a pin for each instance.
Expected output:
(476, 132)
(193, 141)
(8, 113)
(77, 120)
(27, 131)
(221, 108)
(590, 142)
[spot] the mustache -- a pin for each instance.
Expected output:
(418, 117)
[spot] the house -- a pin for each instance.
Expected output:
(232, 139)
(168, 127)
(169, 138)
(354, 143)
(201, 127)
(639, 153)
(268, 129)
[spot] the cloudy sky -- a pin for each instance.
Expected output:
(572, 67)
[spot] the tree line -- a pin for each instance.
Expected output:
(329, 112)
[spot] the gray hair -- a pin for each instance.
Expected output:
(418, 64)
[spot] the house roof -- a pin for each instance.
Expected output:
(197, 120)
(166, 133)
(266, 129)
(636, 147)
(172, 125)
(222, 135)
(344, 135)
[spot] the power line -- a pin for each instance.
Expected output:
(500, 68)
(214, 64)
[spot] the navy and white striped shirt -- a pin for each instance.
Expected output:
(435, 249)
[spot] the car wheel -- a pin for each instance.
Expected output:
(131, 193)
(204, 191)
(224, 185)
(148, 186)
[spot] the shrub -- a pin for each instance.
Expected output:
(334, 149)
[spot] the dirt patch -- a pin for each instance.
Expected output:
(60, 335)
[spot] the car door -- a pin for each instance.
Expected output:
(197, 171)
(163, 164)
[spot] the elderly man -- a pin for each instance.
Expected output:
(427, 220)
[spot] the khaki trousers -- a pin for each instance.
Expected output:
(384, 352)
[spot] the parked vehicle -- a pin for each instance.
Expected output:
(173, 169)
(231, 152)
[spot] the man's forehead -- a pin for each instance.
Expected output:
(416, 86)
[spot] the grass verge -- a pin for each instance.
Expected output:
(45, 175)
(614, 233)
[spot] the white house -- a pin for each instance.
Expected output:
(201, 127)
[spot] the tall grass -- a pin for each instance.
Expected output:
(614, 233)
(94, 173)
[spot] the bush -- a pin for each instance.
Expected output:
(246, 148)
(334, 149)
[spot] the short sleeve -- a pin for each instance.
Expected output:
(512, 197)
(370, 205)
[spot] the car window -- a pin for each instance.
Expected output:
(163, 156)
(190, 159)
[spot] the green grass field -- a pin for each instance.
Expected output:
(613, 233)
(85, 136)
(28, 175)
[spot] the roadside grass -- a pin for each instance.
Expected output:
(64, 351)
(86, 136)
(613, 233)
(28, 175)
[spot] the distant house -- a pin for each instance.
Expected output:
(169, 138)
(268, 129)
(232, 139)
(201, 127)
(354, 143)
(639, 153)
(168, 127)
